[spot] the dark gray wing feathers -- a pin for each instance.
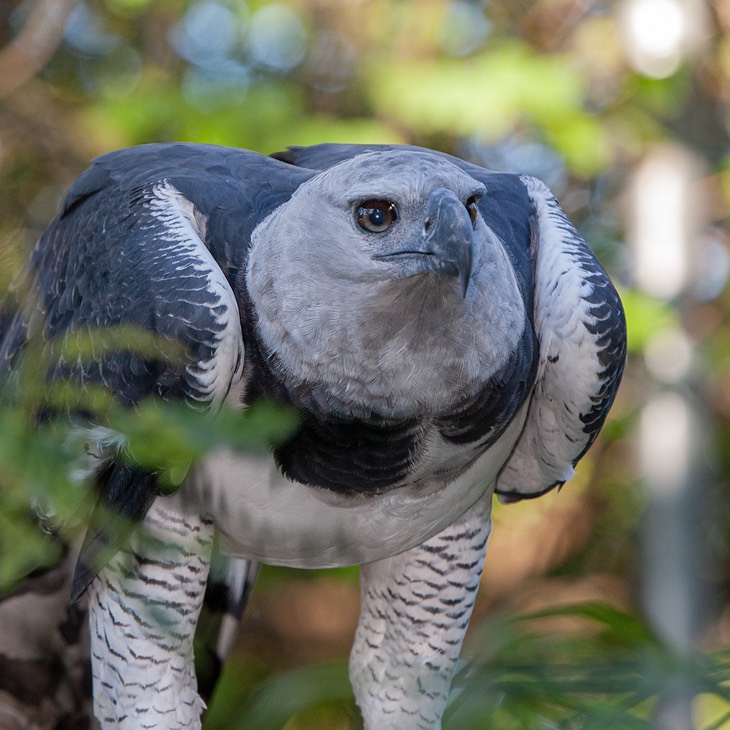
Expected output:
(152, 237)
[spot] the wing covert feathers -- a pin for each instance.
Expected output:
(581, 332)
(136, 257)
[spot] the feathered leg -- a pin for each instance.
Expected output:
(143, 609)
(415, 608)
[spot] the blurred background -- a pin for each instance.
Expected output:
(606, 604)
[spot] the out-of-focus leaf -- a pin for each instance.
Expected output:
(617, 627)
(167, 437)
(93, 344)
(264, 118)
(608, 679)
(490, 94)
(645, 317)
(35, 469)
(284, 696)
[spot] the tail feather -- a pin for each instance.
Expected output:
(230, 583)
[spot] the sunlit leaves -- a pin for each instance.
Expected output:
(264, 118)
(491, 94)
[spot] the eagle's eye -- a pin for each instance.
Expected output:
(376, 216)
(472, 209)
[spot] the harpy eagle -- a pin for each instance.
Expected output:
(442, 331)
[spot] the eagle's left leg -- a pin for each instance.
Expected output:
(143, 610)
(415, 608)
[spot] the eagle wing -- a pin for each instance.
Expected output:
(152, 237)
(581, 331)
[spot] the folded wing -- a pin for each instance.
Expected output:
(151, 238)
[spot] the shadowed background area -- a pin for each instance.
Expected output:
(604, 605)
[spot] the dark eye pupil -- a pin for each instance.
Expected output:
(376, 216)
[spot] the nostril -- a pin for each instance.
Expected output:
(428, 225)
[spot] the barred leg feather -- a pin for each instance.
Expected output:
(143, 610)
(415, 610)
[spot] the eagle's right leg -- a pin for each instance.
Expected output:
(143, 611)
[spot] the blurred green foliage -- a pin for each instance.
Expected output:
(610, 675)
(545, 87)
(41, 458)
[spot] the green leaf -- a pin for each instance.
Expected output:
(295, 691)
(645, 317)
(93, 343)
(168, 437)
(491, 94)
(625, 629)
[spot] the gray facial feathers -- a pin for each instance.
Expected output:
(367, 316)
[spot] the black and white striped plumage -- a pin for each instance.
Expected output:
(443, 331)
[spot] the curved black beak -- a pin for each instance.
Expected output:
(449, 237)
(445, 244)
